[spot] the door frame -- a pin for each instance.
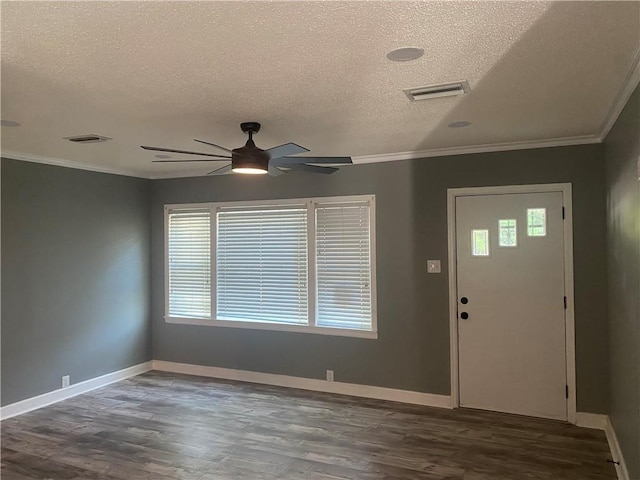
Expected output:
(565, 189)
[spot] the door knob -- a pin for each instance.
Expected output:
(464, 300)
(464, 315)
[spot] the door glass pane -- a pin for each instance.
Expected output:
(480, 243)
(536, 222)
(508, 236)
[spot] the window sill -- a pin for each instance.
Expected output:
(340, 332)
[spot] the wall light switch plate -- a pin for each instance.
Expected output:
(65, 381)
(433, 266)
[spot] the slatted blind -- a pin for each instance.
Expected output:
(189, 250)
(343, 266)
(262, 264)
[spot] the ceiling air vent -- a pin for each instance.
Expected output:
(91, 138)
(435, 91)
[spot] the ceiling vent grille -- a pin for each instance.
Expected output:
(435, 91)
(91, 138)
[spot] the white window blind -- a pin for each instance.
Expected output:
(261, 272)
(343, 266)
(189, 262)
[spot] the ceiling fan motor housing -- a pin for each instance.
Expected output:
(249, 156)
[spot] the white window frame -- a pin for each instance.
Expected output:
(311, 266)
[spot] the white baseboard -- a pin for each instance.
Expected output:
(616, 452)
(597, 421)
(55, 396)
(603, 422)
(366, 391)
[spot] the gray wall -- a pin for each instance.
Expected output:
(75, 276)
(622, 149)
(412, 351)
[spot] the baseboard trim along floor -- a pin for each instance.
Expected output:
(316, 385)
(603, 422)
(55, 396)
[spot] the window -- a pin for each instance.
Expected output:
(536, 222)
(261, 272)
(189, 261)
(299, 265)
(480, 243)
(343, 266)
(508, 235)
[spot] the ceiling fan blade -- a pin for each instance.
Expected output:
(185, 160)
(286, 161)
(213, 145)
(286, 149)
(221, 170)
(171, 150)
(274, 171)
(312, 168)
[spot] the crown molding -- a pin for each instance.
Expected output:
(181, 174)
(631, 81)
(28, 157)
(490, 147)
(384, 157)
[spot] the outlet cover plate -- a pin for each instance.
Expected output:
(433, 266)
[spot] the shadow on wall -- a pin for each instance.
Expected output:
(121, 281)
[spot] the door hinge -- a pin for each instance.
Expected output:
(565, 302)
(566, 391)
(563, 213)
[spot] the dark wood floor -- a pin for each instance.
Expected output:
(166, 426)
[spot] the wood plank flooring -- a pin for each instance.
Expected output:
(165, 426)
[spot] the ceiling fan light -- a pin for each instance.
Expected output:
(249, 159)
(250, 170)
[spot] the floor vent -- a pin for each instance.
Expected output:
(91, 138)
(435, 91)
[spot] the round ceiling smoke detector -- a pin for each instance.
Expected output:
(460, 124)
(405, 54)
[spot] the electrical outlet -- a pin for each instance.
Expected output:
(65, 381)
(433, 266)
(329, 375)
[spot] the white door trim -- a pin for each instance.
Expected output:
(565, 188)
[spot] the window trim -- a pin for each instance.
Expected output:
(311, 254)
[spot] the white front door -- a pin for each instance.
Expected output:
(511, 305)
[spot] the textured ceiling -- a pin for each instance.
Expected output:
(315, 73)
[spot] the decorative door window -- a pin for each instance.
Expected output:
(480, 243)
(507, 233)
(536, 222)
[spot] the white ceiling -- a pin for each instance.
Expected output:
(314, 73)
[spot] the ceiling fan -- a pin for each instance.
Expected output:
(254, 160)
